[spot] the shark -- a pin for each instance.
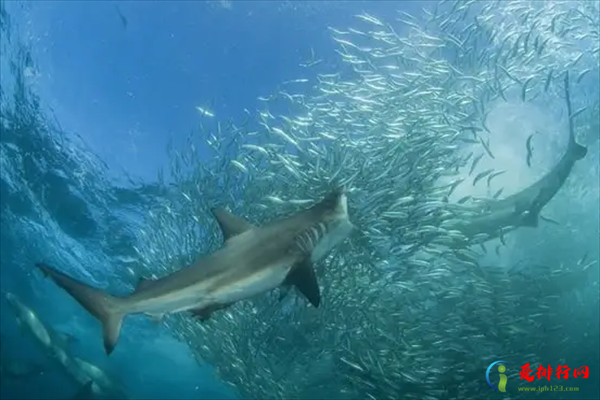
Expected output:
(523, 208)
(252, 260)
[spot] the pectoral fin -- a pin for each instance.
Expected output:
(231, 225)
(530, 219)
(521, 207)
(304, 278)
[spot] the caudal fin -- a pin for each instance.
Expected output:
(106, 308)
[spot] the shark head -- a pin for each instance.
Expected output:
(291, 245)
(331, 225)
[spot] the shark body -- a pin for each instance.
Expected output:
(253, 260)
(523, 208)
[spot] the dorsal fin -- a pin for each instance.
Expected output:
(143, 283)
(304, 278)
(231, 225)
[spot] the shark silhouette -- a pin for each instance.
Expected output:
(253, 260)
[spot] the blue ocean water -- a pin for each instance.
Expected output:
(117, 81)
(101, 89)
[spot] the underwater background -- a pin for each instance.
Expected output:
(124, 122)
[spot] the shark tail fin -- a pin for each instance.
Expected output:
(109, 310)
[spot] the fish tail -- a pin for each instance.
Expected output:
(109, 310)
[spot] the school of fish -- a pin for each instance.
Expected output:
(430, 277)
(441, 274)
